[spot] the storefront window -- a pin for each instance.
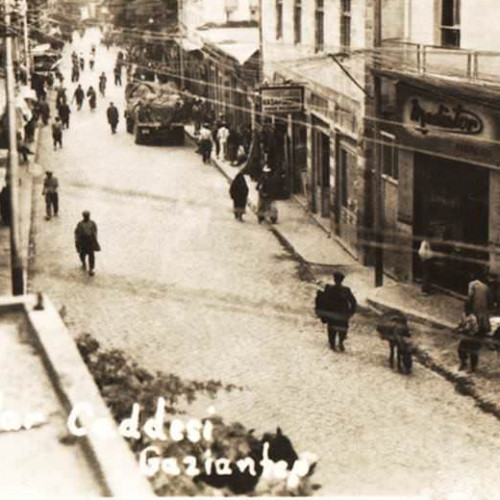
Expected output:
(389, 156)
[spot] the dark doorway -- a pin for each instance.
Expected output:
(451, 208)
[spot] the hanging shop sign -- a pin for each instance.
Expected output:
(429, 117)
(282, 99)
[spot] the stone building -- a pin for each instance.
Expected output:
(321, 46)
(439, 131)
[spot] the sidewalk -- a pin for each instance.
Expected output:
(324, 255)
(26, 174)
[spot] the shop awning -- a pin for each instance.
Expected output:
(239, 51)
(189, 45)
(239, 43)
(323, 72)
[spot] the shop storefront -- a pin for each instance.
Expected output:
(441, 181)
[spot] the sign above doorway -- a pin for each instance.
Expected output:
(430, 116)
(282, 99)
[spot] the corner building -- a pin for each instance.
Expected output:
(439, 137)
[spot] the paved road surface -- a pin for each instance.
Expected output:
(182, 287)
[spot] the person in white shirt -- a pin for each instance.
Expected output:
(222, 137)
(425, 253)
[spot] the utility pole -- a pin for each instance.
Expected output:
(17, 268)
(378, 201)
(23, 10)
(182, 28)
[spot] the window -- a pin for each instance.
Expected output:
(345, 24)
(297, 21)
(279, 19)
(389, 156)
(450, 23)
(319, 25)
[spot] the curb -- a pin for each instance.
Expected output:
(113, 462)
(382, 307)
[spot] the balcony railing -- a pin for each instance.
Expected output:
(429, 60)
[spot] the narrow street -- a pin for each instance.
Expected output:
(182, 287)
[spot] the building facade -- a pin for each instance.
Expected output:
(439, 137)
(220, 55)
(321, 46)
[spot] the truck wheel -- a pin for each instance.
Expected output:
(130, 126)
(137, 136)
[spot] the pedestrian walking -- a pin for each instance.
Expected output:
(205, 142)
(91, 62)
(50, 192)
(196, 115)
(113, 117)
(79, 96)
(118, 75)
(23, 147)
(44, 110)
(61, 97)
(82, 62)
(222, 137)
(64, 114)
(75, 73)
(57, 133)
(335, 305)
(426, 255)
(266, 206)
(479, 298)
(102, 84)
(86, 242)
(233, 143)
(470, 344)
(239, 194)
(92, 98)
(215, 130)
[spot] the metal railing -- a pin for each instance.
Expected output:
(468, 65)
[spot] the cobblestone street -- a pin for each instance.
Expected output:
(182, 287)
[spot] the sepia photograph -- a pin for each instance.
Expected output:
(250, 248)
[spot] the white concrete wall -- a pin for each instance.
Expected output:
(423, 22)
(480, 24)
(285, 51)
(199, 12)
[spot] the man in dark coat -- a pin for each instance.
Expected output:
(57, 133)
(339, 306)
(64, 112)
(118, 74)
(92, 98)
(86, 241)
(113, 117)
(79, 96)
(50, 192)
(239, 193)
(44, 110)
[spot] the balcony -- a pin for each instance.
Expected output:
(468, 66)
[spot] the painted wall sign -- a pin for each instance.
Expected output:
(283, 99)
(431, 117)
